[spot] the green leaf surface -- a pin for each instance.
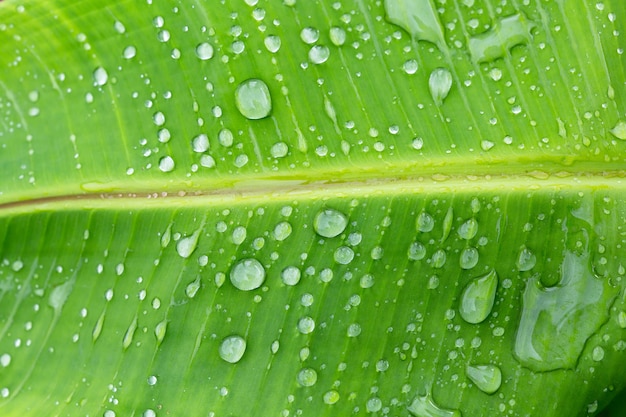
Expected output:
(312, 208)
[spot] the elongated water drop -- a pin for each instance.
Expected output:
(187, 245)
(505, 34)
(130, 333)
(253, 99)
(619, 130)
(247, 274)
(487, 378)
(556, 322)
(478, 297)
(97, 328)
(330, 223)
(439, 84)
(418, 17)
(232, 348)
(160, 330)
(424, 406)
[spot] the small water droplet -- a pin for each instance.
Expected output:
(129, 52)
(200, 143)
(309, 35)
(282, 231)
(337, 35)
(253, 99)
(232, 348)
(410, 66)
(166, 164)
(204, 51)
(225, 138)
(272, 43)
(416, 251)
(469, 258)
(478, 297)
(307, 377)
(166, 237)
(343, 255)
(239, 235)
(468, 229)
(526, 260)
(373, 405)
(100, 76)
(597, 354)
(487, 378)
(306, 325)
(247, 274)
(354, 330)
(425, 222)
(291, 275)
(440, 83)
(330, 223)
(318, 54)
(5, 360)
(503, 35)
(160, 330)
(17, 266)
(279, 150)
(424, 406)
(331, 397)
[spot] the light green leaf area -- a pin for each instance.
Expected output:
(312, 208)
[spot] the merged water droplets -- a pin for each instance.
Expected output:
(247, 274)
(418, 17)
(253, 99)
(503, 35)
(424, 406)
(478, 297)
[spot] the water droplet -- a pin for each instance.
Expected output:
(424, 222)
(309, 35)
(424, 406)
(418, 17)
(59, 295)
(291, 275)
(239, 235)
(354, 330)
(149, 413)
(247, 274)
(100, 76)
(526, 260)
(200, 143)
(158, 118)
(166, 237)
(282, 231)
(468, 229)
(410, 66)
(204, 51)
(279, 150)
(187, 245)
(192, 288)
(597, 354)
(487, 378)
(373, 405)
(343, 255)
(160, 330)
(97, 328)
(469, 258)
(504, 35)
(253, 99)
(306, 325)
(439, 258)
(330, 223)
(318, 54)
(621, 319)
(440, 83)
(556, 322)
(129, 52)
(307, 377)
(130, 333)
(166, 164)
(225, 138)
(417, 251)
(5, 360)
(337, 35)
(366, 281)
(232, 348)
(331, 397)
(619, 130)
(478, 297)
(119, 27)
(272, 43)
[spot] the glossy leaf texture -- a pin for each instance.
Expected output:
(312, 208)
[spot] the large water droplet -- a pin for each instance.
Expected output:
(337, 35)
(306, 325)
(418, 17)
(247, 274)
(556, 322)
(343, 255)
(319, 54)
(232, 348)
(469, 258)
(253, 99)
(187, 245)
(166, 164)
(331, 397)
(200, 143)
(290, 275)
(416, 251)
(439, 84)
(478, 297)
(619, 130)
(272, 43)
(424, 406)
(487, 378)
(330, 223)
(282, 231)
(307, 377)
(59, 295)
(468, 229)
(505, 34)
(373, 405)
